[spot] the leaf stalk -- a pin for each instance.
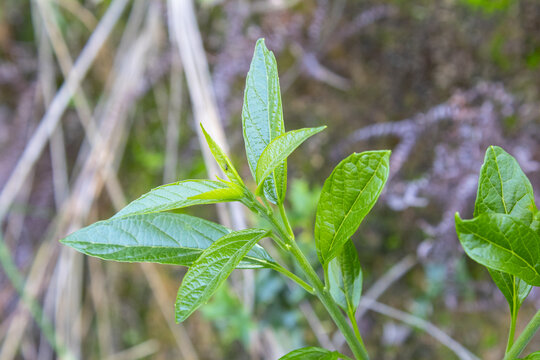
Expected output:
(354, 323)
(512, 331)
(293, 277)
(523, 339)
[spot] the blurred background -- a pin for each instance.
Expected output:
(100, 101)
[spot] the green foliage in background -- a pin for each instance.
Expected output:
(489, 6)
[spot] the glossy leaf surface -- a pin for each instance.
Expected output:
(503, 188)
(346, 198)
(212, 268)
(222, 159)
(230, 193)
(345, 278)
(262, 117)
(163, 238)
(311, 353)
(179, 195)
(279, 149)
(503, 243)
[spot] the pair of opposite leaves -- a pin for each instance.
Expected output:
(504, 234)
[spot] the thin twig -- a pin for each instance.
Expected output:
(82, 106)
(71, 211)
(378, 288)
(61, 100)
(98, 287)
(139, 351)
(80, 12)
(173, 121)
(48, 88)
(29, 301)
(164, 300)
(316, 325)
(422, 324)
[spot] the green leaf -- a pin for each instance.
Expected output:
(162, 238)
(262, 117)
(179, 195)
(279, 149)
(347, 196)
(230, 193)
(313, 353)
(513, 288)
(222, 159)
(345, 278)
(503, 188)
(534, 356)
(212, 268)
(503, 243)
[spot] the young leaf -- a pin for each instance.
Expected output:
(347, 196)
(262, 117)
(222, 159)
(313, 353)
(503, 188)
(345, 278)
(162, 238)
(503, 243)
(212, 268)
(179, 195)
(279, 149)
(230, 193)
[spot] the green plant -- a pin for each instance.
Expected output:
(504, 236)
(147, 231)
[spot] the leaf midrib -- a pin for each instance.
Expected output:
(218, 275)
(500, 179)
(507, 250)
(352, 206)
(254, 259)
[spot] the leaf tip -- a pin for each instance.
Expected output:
(206, 135)
(68, 241)
(202, 128)
(494, 149)
(179, 318)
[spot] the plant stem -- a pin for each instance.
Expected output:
(293, 277)
(512, 331)
(524, 338)
(356, 344)
(324, 296)
(357, 347)
(285, 220)
(354, 323)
